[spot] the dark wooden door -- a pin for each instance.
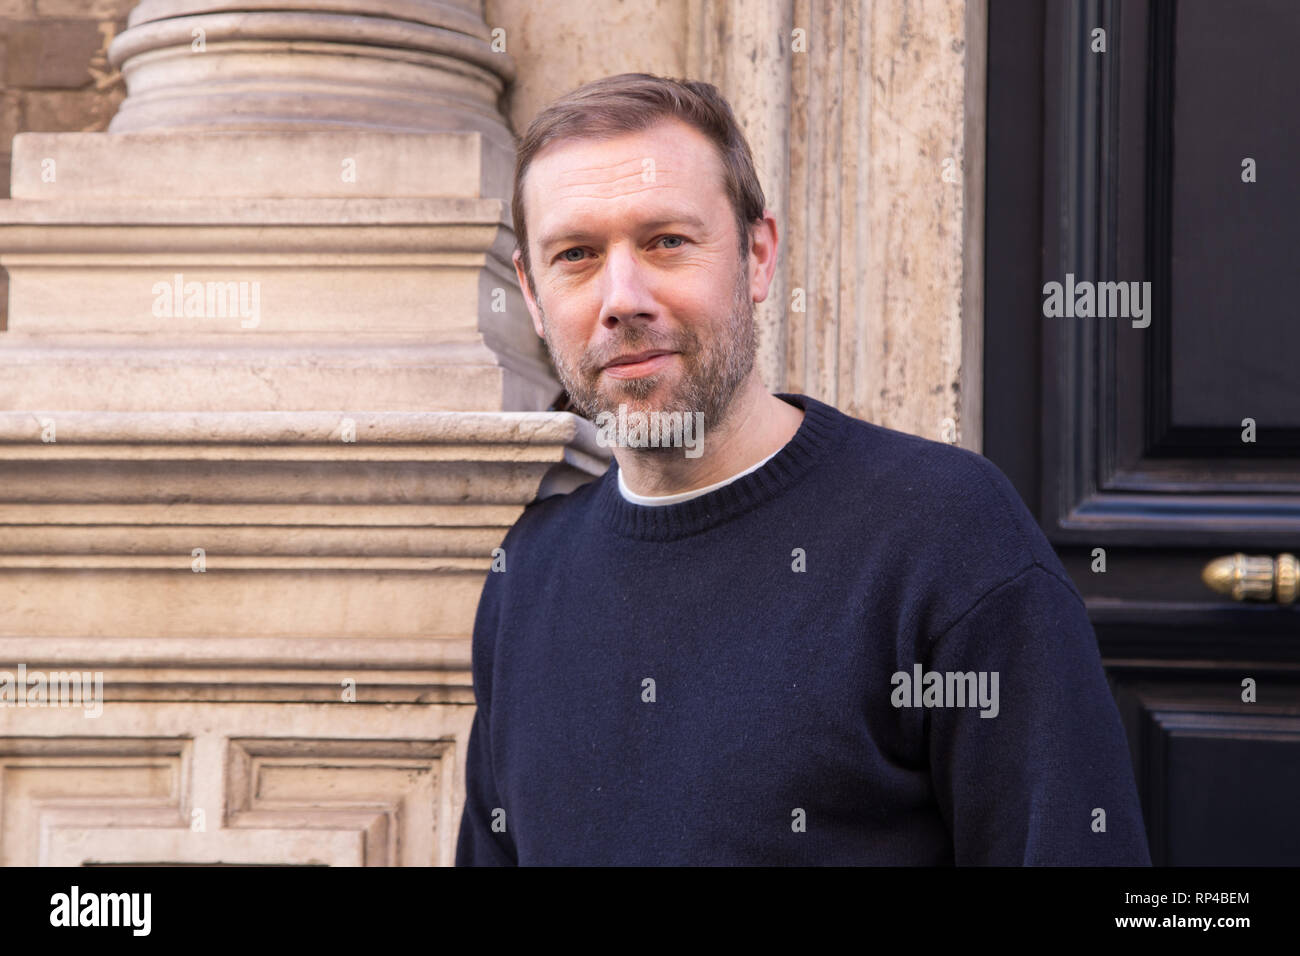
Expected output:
(1163, 441)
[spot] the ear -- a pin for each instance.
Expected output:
(763, 246)
(528, 295)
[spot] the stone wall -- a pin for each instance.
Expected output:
(54, 71)
(55, 75)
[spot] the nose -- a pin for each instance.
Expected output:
(625, 294)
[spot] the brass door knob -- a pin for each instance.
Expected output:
(1248, 577)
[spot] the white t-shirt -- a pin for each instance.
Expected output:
(636, 499)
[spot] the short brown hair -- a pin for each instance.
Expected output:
(629, 103)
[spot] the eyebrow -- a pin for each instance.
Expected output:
(578, 235)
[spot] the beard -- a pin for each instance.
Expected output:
(712, 369)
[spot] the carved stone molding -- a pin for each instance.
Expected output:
(398, 65)
(252, 271)
(149, 783)
(265, 556)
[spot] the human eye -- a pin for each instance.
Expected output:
(679, 238)
(562, 257)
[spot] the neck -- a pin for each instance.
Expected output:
(756, 424)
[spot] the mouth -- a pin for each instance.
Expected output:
(636, 364)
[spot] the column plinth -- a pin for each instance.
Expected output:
(409, 66)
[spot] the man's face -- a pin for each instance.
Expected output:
(634, 249)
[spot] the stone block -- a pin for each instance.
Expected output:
(50, 54)
(261, 165)
(85, 110)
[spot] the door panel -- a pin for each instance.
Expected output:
(1126, 438)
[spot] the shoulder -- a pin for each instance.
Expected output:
(955, 494)
(952, 520)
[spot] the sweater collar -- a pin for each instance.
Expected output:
(819, 431)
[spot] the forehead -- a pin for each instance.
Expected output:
(670, 163)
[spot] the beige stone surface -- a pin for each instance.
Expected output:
(461, 15)
(94, 9)
(49, 54)
(886, 102)
(419, 65)
(345, 164)
(174, 527)
(146, 782)
(924, 248)
(560, 44)
(397, 296)
(385, 378)
(78, 110)
(277, 607)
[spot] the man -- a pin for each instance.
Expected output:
(814, 640)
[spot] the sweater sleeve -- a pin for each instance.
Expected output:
(1045, 778)
(477, 843)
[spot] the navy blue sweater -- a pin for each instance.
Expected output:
(864, 652)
